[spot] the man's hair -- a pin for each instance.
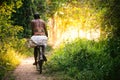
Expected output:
(36, 16)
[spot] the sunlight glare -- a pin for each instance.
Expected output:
(71, 34)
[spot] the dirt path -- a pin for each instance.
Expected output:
(26, 71)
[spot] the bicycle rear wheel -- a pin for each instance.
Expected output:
(40, 59)
(40, 65)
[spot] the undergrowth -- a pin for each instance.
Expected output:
(11, 55)
(81, 60)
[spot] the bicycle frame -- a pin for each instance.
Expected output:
(39, 59)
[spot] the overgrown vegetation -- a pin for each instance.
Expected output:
(12, 49)
(81, 60)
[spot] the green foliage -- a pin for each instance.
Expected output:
(81, 60)
(106, 12)
(10, 54)
(54, 5)
(113, 42)
(22, 17)
(40, 6)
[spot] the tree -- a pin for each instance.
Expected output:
(8, 31)
(23, 16)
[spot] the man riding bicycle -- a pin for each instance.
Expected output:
(38, 29)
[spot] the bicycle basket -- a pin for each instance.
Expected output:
(31, 44)
(38, 40)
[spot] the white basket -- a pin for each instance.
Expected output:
(37, 40)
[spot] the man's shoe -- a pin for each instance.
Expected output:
(35, 63)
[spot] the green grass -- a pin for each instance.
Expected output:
(9, 61)
(81, 60)
(11, 56)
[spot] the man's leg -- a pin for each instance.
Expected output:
(35, 55)
(43, 53)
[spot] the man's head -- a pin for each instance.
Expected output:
(36, 16)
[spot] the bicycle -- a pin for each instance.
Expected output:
(40, 58)
(39, 42)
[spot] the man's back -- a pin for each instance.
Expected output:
(38, 26)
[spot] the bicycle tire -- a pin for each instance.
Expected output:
(40, 65)
(39, 62)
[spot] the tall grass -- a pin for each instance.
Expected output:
(81, 60)
(9, 61)
(11, 55)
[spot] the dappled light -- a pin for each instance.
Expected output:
(71, 22)
(72, 33)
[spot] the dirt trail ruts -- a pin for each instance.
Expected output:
(27, 71)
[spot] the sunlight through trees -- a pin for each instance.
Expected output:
(71, 22)
(95, 55)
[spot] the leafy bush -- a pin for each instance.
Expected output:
(113, 49)
(9, 60)
(11, 55)
(81, 60)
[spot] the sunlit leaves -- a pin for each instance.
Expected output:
(53, 6)
(83, 20)
(18, 4)
(7, 9)
(8, 34)
(8, 31)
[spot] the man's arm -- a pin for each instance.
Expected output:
(46, 33)
(32, 27)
